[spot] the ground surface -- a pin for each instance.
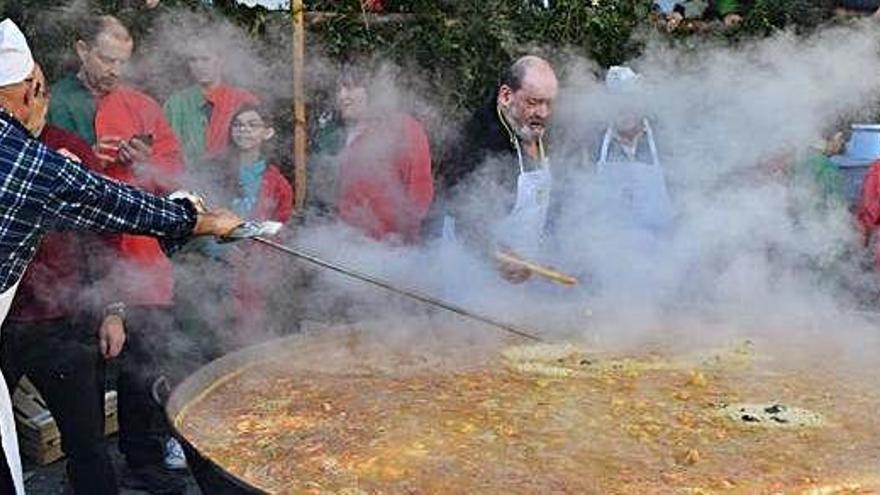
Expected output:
(51, 479)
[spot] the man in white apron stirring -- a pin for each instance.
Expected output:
(42, 190)
(498, 182)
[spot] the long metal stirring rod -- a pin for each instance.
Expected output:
(418, 296)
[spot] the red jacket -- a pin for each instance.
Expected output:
(385, 182)
(275, 200)
(143, 275)
(255, 265)
(868, 211)
(53, 285)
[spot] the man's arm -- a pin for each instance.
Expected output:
(79, 199)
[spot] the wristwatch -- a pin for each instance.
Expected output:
(117, 309)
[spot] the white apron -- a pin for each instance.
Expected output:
(7, 418)
(637, 189)
(522, 230)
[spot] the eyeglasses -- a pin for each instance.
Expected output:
(240, 126)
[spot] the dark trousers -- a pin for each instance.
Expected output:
(61, 359)
(7, 486)
(153, 349)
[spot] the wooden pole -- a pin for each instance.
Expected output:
(300, 125)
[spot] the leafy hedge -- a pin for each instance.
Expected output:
(457, 47)
(459, 44)
(463, 45)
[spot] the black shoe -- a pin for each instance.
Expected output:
(154, 479)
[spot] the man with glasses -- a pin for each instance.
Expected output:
(136, 145)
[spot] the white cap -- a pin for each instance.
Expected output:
(621, 79)
(16, 61)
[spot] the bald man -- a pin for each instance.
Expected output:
(498, 181)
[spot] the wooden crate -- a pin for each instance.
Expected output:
(38, 437)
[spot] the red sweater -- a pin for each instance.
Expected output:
(868, 212)
(143, 274)
(275, 200)
(254, 273)
(385, 182)
(52, 286)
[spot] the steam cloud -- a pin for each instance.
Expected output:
(748, 249)
(761, 253)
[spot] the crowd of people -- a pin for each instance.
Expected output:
(95, 153)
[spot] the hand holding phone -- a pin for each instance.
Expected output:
(138, 149)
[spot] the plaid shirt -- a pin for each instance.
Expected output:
(41, 190)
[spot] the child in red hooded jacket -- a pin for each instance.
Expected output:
(253, 184)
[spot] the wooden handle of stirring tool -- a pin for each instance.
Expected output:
(536, 269)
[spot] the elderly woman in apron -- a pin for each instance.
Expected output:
(631, 217)
(631, 211)
(631, 179)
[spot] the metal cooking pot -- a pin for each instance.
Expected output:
(862, 149)
(214, 479)
(211, 477)
(325, 346)
(864, 143)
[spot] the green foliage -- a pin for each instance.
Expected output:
(602, 29)
(767, 16)
(462, 46)
(459, 46)
(456, 47)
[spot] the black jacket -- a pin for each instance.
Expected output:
(484, 141)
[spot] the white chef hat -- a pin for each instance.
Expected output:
(621, 79)
(16, 61)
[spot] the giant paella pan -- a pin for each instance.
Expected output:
(435, 410)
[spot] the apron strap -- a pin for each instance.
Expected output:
(603, 151)
(649, 134)
(519, 156)
(543, 162)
